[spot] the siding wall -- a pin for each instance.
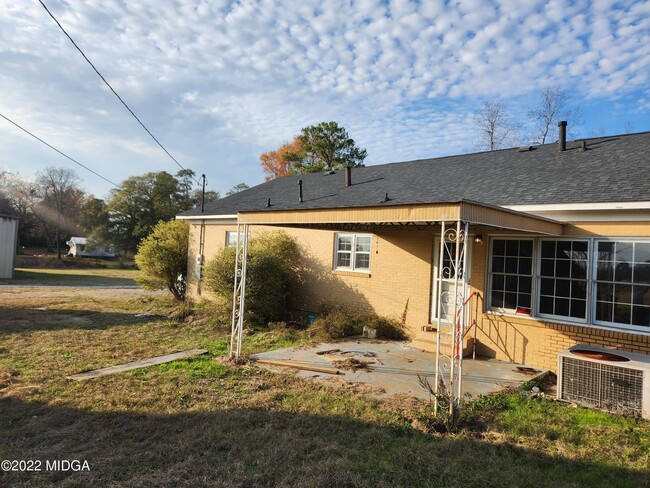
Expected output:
(401, 267)
(8, 232)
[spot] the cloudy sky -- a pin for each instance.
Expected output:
(218, 82)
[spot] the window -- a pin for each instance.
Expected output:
(232, 237)
(622, 283)
(353, 252)
(563, 279)
(511, 275)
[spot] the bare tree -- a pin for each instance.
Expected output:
(629, 127)
(495, 127)
(554, 105)
(57, 185)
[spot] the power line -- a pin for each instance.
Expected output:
(111, 88)
(60, 152)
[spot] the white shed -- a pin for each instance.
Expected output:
(8, 242)
(78, 249)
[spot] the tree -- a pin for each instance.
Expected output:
(60, 190)
(495, 127)
(210, 196)
(162, 258)
(237, 188)
(185, 179)
(132, 211)
(276, 163)
(552, 107)
(325, 147)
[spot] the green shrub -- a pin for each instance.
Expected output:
(162, 258)
(271, 273)
(336, 323)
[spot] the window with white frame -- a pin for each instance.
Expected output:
(511, 275)
(563, 278)
(622, 283)
(232, 237)
(352, 252)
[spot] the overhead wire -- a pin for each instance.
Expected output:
(111, 88)
(60, 152)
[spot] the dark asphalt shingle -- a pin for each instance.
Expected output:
(612, 169)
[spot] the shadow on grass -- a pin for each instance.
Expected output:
(254, 447)
(43, 278)
(20, 320)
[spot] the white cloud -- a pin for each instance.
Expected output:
(235, 78)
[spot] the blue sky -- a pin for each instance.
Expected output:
(219, 82)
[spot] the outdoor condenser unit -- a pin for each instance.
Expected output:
(616, 381)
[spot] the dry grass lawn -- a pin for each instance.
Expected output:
(203, 422)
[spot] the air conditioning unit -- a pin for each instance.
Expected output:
(616, 381)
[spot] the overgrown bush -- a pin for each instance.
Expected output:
(162, 258)
(336, 323)
(271, 273)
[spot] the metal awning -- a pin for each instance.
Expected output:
(474, 213)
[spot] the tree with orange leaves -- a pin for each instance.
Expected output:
(276, 164)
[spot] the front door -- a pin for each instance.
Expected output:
(450, 281)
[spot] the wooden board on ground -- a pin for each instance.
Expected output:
(137, 364)
(306, 367)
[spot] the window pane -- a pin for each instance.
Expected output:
(562, 268)
(605, 271)
(579, 289)
(622, 313)
(624, 251)
(525, 266)
(604, 311)
(548, 267)
(498, 282)
(524, 300)
(642, 273)
(579, 270)
(548, 249)
(525, 283)
(511, 265)
(578, 309)
(345, 243)
(497, 299)
(510, 301)
(642, 252)
(562, 306)
(641, 316)
(547, 286)
(623, 293)
(605, 292)
(563, 288)
(512, 248)
(363, 244)
(546, 305)
(563, 250)
(362, 261)
(579, 249)
(606, 250)
(623, 272)
(498, 264)
(499, 247)
(343, 260)
(526, 249)
(511, 283)
(641, 295)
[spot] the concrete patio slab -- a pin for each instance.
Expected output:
(395, 366)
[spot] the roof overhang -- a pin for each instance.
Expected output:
(423, 214)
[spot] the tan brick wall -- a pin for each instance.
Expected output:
(401, 271)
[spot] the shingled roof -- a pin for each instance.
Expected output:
(611, 169)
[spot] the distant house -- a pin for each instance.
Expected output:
(78, 249)
(555, 239)
(8, 242)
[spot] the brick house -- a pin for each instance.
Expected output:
(554, 240)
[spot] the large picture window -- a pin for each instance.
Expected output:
(353, 252)
(622, 283)
(511, 275)
(563, 278)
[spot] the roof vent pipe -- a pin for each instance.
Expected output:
(300, 186)
(561, 139)
(348, 176)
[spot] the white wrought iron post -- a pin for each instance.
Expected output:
(239, 291)
(462, 322)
